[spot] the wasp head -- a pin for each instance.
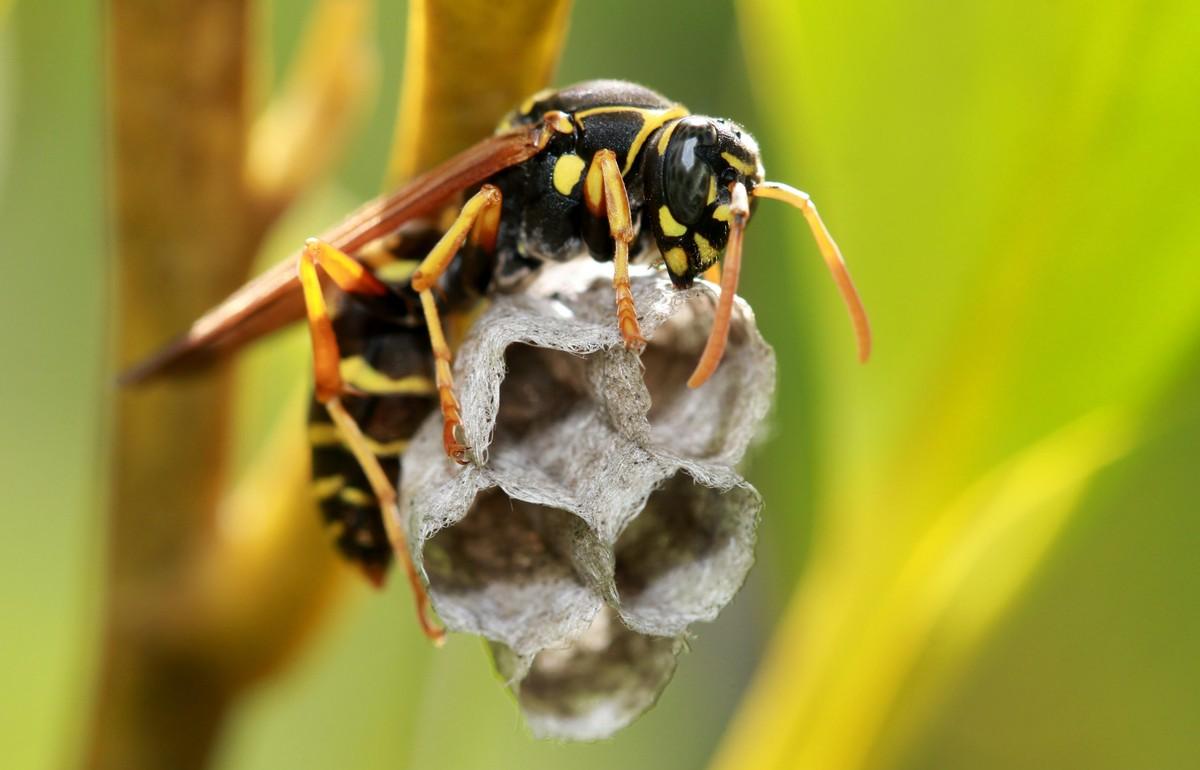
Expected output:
(702, 177)
(694, 166)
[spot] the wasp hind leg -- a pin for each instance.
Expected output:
(605, 196)
(385, 493)
(479, 218)
(351, 276)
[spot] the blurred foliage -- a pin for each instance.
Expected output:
(1006, 179)
(1013, 186)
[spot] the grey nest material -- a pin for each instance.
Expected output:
(601, 514)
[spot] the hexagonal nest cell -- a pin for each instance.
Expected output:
(602, 514)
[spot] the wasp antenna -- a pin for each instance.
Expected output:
(714, 349)
(831, 254)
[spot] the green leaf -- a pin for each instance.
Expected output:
(1009, 185)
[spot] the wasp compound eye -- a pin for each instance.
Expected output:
(687, 177)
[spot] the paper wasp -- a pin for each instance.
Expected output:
(604, 167)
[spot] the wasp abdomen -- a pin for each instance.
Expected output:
(388, 369)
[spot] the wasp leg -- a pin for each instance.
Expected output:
(604, 194)
(351, 276)
(385, 494)
(713, 273)
(482, 214)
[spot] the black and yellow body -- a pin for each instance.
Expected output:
(605, 168)
(387, 362)
(387, 365)
(658, 146)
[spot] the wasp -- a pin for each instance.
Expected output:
(606, 167)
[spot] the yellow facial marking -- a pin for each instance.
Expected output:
(676, 260)
(327, 486)
(396, 271)
(361, 375)
(669, 225)
(356, 497)
(712, 188)
(742, 166)
(721, 213)
(708, 254)
(567, 171)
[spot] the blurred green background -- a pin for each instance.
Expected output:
(978, 550)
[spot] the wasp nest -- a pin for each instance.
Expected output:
(601, 515)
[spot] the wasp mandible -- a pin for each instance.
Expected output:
(604, 167)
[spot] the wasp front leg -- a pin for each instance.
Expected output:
(480, 218)
(605, 195)
(351, 276)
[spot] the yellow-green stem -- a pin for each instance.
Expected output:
(195, 609)
(184, 233)
(467, 63)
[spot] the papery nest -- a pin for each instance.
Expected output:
(601, 515)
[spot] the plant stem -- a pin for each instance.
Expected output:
(467, 63)
(184, 237)
(194, 612)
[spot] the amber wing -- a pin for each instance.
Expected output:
(273, 300)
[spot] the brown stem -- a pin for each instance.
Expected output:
(183, 237)
(194, 611)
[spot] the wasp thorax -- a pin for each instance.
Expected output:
(691, 168)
